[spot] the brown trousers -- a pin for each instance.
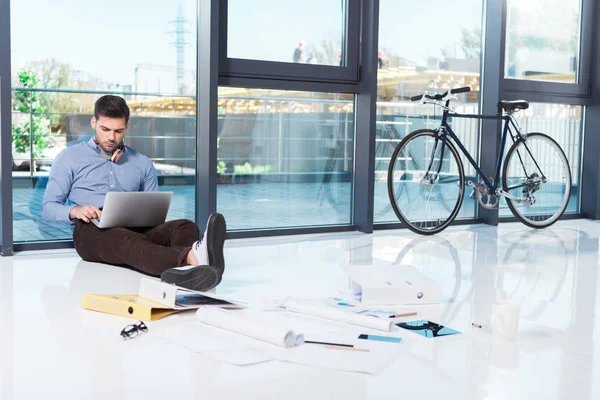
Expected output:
(149, 250)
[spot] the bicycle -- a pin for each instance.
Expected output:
(536, 177)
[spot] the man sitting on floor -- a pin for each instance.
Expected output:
(84, 173)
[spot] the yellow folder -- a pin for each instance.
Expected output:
(126, 305)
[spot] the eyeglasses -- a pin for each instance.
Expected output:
(133, 331)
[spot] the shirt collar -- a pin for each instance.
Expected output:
(93, 145)
(98, 150)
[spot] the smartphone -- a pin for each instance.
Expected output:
(389, 339)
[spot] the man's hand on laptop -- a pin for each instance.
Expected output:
(85, 213)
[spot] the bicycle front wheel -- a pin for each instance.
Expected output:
(537, 172)
(426, 182)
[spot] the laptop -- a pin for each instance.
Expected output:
(134, 209)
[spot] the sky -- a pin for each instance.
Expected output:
(103, 38)
(107, 38)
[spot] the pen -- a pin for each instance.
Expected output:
(476, 325)
(330, 344)
(410, 314)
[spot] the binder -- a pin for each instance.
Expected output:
(392, 285)
(170, 296)
(126, 305)
(155, 300)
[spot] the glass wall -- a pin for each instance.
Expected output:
(414, 59)
(285, 158)
(564, 124)
(542, 41)
(73, 56)
(310, 31)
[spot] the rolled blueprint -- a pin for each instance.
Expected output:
(242, 324)
(323, 311)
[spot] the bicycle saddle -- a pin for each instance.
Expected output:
(513, 105)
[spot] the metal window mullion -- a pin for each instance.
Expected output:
(585, 44)
(546, 98)
(365, 116)
(6, 195)
(491, 89)
(206, 108)
(590, 165)
(282, 84)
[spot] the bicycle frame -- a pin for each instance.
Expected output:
(446, 132)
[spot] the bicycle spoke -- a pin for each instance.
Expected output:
(433, 185)
(546, 185)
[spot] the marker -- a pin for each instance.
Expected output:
(330, 344)
(390, 339)
(410, 314)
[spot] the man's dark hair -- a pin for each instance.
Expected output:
(111, 107)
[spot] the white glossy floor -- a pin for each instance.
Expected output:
(51, 348)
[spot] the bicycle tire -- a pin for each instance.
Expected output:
(522, 218)
(392, 198)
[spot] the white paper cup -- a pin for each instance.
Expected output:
(505, 319)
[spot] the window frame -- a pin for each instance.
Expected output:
(230, 67)
(557, 91)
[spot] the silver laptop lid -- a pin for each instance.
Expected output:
(135, 209)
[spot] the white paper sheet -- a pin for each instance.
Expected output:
(306, 324)
(204, 338)
(200, 337)
(241, 350)
(243, 357)
(372, 362)
(322, 311)
(234, 321)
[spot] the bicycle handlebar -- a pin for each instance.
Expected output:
(441, 96)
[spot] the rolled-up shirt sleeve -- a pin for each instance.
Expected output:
(150, 180)
(54, 207)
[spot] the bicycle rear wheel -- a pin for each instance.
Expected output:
(425, 189)
(536, 169)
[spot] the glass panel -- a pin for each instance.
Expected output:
(310, 31)
(542, 40)
(163, 129)
(427, 63)
(285, 158)
(55, 87)
(149, 47)
(564, 124)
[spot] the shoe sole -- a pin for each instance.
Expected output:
(202, 278)
(216, 230)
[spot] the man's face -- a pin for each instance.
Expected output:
(109, 132)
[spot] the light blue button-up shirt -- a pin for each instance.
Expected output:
(82, 176)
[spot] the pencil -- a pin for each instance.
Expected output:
(336, 347)
(330, 344)
(410, 314)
